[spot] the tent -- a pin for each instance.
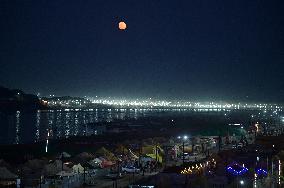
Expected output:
(153, 152)
(5, 174)
(84, 157)
(64, 155)
(95, 163)
(121, 149)
(132, 155)
(35, 164)
(103, 152)
(145, 159)
(78, 168)
(54, 168)
(105, 163)
(6, 177)
(4, 164)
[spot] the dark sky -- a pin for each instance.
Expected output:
(192, 49)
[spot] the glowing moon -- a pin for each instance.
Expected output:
(122, 25)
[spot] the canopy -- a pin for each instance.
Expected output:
(78, 168)
(106, 163)
(96, 162)
(5, 174)
(103, 152)
(4, 164)
(35, 164)
(64, 155)
(54, 168)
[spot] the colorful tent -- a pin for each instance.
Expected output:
(106, 154)
(106, 163)
(153, 151)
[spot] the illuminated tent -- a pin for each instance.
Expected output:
(78, 168)
(150, 151)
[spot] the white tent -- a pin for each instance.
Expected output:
(78, 168)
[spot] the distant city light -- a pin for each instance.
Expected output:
(151, 104)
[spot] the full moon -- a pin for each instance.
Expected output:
(122, 25)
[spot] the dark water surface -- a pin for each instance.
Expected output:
(30, 127)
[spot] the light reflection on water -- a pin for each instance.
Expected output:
(27, 127)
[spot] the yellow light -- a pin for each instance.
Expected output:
(279, 172)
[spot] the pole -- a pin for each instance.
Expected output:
(166, 156)
(40, 182)
(156, 152)
(62, 158)
(267, 163)
(84, 176)
(156, 158)
(140, 148)
(182, 153)
(237, 181)
(271, 167)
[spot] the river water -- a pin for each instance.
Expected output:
(29, 127)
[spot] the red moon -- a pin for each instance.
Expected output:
(122, 25)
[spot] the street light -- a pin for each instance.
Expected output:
(242, 182)
(184, 138)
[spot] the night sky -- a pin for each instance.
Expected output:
(192, 49)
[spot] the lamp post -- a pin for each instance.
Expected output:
(184, 138)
